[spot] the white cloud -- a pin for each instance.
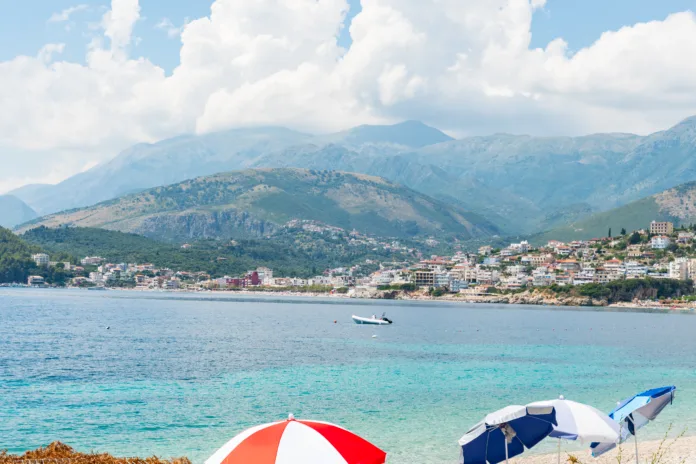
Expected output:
(47, 51)
(168, 26)
(463, 65)
(64, 16)
(119, 21)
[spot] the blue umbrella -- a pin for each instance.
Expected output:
(507, 432)
(635, 412)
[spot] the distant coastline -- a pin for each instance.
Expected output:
(533, 298)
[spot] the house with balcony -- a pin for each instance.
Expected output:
(660, 242)
(684, 238)
(635, 270)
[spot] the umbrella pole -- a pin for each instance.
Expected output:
(559, 451)
(506, 449)
(635, 438)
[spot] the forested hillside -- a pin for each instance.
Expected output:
(16, 264)
(290, 253)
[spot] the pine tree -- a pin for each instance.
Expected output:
(609, 233)
(623, 231)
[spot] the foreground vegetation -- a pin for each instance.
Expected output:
(59, 452)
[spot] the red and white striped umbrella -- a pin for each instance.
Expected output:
(297, 442)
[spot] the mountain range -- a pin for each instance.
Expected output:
(174, 160)
(257, 203)
(14, 211)
(521, 183)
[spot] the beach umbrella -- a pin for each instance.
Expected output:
(581, 422)
(297, 441)
(635, 412)
(506, 433)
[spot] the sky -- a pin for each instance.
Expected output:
(81, 80)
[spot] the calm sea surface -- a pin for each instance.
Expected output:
(180, 374)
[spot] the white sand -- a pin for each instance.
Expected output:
(681, 451)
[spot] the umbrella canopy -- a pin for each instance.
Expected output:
(583, 423)
(294, 441)
(507, 432)
(635, 412)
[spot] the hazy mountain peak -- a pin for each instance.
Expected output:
(413, 134)
(14, 211)
(685, 126)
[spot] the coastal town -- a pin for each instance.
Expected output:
(660, 251)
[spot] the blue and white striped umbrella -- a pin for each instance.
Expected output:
(635, 412)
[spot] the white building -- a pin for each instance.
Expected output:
(615, 266)
(541, 277)
(660, 242)
(516, 269)
(96, 277)
(91, 261)
(464, 273)
(36, 281)
(512, 282)
(685, 237)
(318, 280)
(265, 275)
(563, 250)
(679, 269)
(506, 252)
(41, 259)
(441, 279)
(457, 285)
(485, 250)
(385, 277)
(519, 248)
(691, 268)
(635, 270)
(582, 278)
(488, 277)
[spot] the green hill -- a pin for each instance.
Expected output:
(258, 202)
(290, 253)
(16, 264)
(677, 205)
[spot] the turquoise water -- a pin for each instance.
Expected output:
(180, 374)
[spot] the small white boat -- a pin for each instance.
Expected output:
(374, 320)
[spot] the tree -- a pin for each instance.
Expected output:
(623, 231)
(634, 239)
(609, 233)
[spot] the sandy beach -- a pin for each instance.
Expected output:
(681, 451)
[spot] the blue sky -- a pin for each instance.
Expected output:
(24, 26)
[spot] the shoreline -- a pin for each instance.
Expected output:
(534, 298)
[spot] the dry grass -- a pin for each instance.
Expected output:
(59, 453)
(661, 455)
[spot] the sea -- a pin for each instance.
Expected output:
(179, 374)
